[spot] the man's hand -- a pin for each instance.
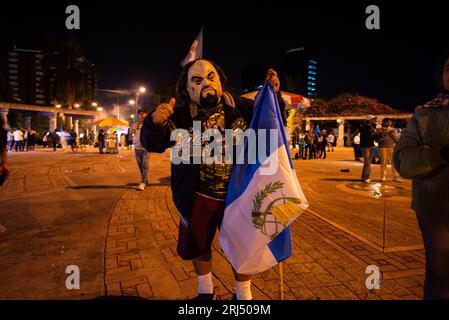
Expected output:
(163, 112)
(272, 78)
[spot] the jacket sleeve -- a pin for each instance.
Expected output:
(245, 107)
(154, 138)
(413, 159)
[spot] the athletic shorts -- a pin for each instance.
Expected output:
(197, 234)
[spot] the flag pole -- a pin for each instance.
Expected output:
(281, 279)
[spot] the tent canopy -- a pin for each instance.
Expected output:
(297, 101)
(111, 122)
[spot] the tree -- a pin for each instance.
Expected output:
(294, 120)
(348, 104)
(70, 73)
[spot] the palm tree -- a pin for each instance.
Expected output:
(67, 73)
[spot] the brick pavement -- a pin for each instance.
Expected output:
(327, 263)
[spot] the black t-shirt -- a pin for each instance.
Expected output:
(3, 139)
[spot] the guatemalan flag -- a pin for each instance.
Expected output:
(260, 205)
(195, 51)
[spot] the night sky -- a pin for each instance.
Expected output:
(135, 43)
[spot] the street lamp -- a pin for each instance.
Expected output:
(99, 109)
(132, 102)
(76, 105)
(94, 104)
(58, 106)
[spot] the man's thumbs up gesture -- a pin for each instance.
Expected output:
(163, 112)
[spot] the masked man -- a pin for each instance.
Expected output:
(199, 190)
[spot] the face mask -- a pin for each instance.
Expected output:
(203, 84)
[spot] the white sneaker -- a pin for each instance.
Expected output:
(141, 186)
(367, 180)
(396, 179)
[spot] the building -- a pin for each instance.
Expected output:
(26, 77)
(31, 84)
(299, 72)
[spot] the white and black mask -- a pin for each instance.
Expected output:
(204, 85)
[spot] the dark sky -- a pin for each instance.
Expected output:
(143, 42)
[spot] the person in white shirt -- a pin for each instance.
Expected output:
(356, 145)
(142, 155)
(330, 142)
(18, 139)
(10, 139)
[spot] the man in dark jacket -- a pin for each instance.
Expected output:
(367, 138)
(199, 189)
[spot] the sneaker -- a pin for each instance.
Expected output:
(367, 180)
(396, 179)
(205, 296)
(141, 186)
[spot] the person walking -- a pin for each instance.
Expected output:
(323, 145)
(356, 146)
(387, 138)
(25, 141)
(54, 139)
(142, 155)
(367, 138)
(72, 136)
(422, 154)
(31, 140)
(10, 139)
(308, 140)
(330, 141)
(18, 139)
(101, 141)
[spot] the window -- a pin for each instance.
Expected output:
(312, 72)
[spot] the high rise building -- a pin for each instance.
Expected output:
(299, 72)
(31, 84)
(26, 77)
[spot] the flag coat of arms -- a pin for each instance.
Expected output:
(255, 233)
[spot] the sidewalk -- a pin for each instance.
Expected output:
(327, 262)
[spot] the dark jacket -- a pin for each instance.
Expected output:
(418, 156)
(185, 177)
(387, 138)
(367, 135)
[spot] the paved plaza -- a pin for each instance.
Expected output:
(60, 209)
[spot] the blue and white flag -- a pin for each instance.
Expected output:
(255, 233)
(196, 49)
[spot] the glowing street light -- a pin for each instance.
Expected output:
(58, 106)
(94, 104)
(132, 102)
(76, 105)
(99, 109)
(142, 89)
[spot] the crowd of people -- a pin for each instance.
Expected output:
(19, 140)
(313, 144)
